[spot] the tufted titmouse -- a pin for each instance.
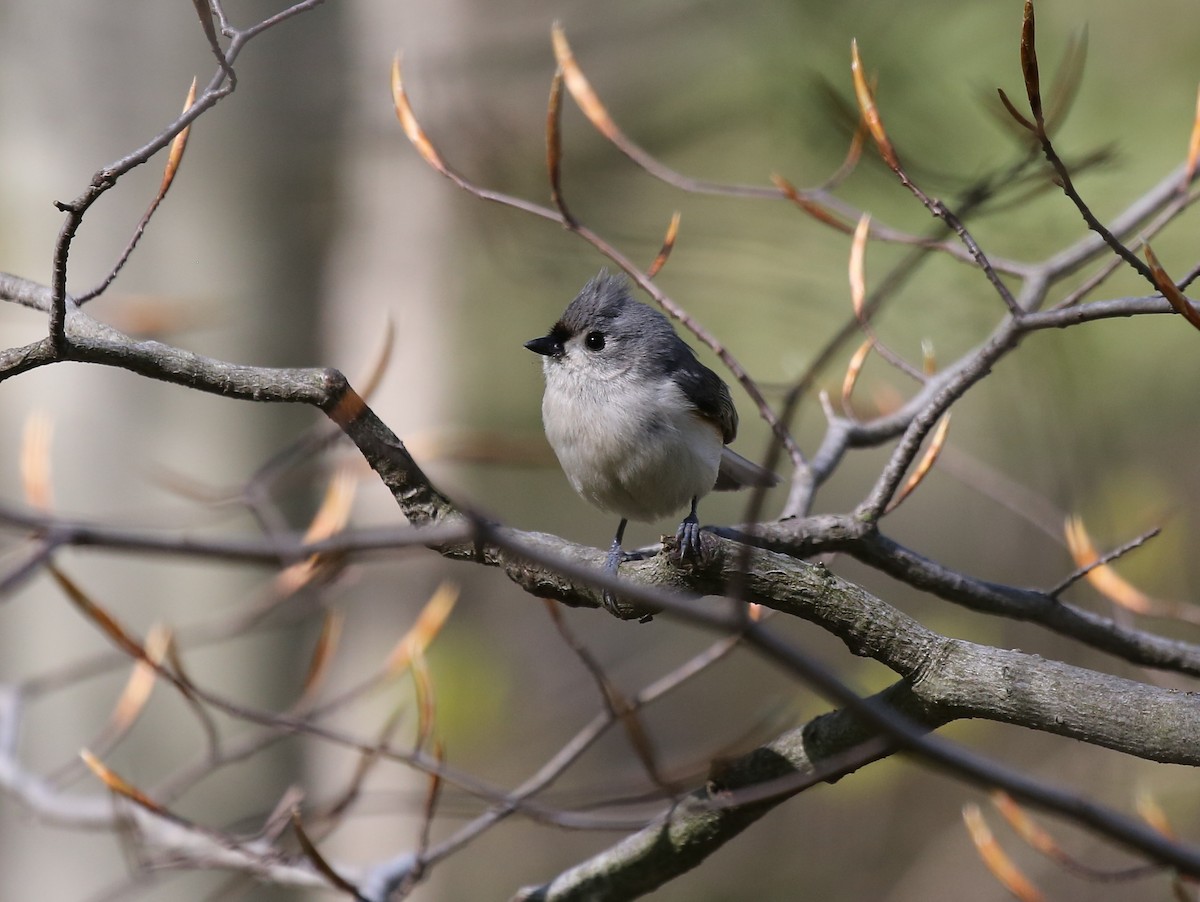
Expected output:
(638, 423)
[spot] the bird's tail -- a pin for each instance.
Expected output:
(737, 472)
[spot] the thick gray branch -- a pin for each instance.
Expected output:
(735, 797)
(962, 678)
(810, 536)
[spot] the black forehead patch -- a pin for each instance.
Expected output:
(560, 332)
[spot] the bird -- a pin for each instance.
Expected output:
(640, 426)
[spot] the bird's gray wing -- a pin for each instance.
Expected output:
(709, 395)
(706, 391)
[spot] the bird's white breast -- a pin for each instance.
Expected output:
(630, 446)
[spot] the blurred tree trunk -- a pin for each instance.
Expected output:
(239, 247)
(389, 265)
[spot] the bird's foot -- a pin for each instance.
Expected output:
(611, 563)
(687, 537)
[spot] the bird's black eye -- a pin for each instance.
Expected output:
(594, 341)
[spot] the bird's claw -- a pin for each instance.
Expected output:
(611, 563)
(610, 604)
(687, 538)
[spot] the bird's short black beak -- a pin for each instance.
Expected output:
(547, 346)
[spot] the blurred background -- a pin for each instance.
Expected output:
(302, 222)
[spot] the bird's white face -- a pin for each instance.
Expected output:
(599, 351)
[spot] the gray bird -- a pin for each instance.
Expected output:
(639, 425)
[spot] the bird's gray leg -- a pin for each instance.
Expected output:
(688, 534)
(611, 563)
